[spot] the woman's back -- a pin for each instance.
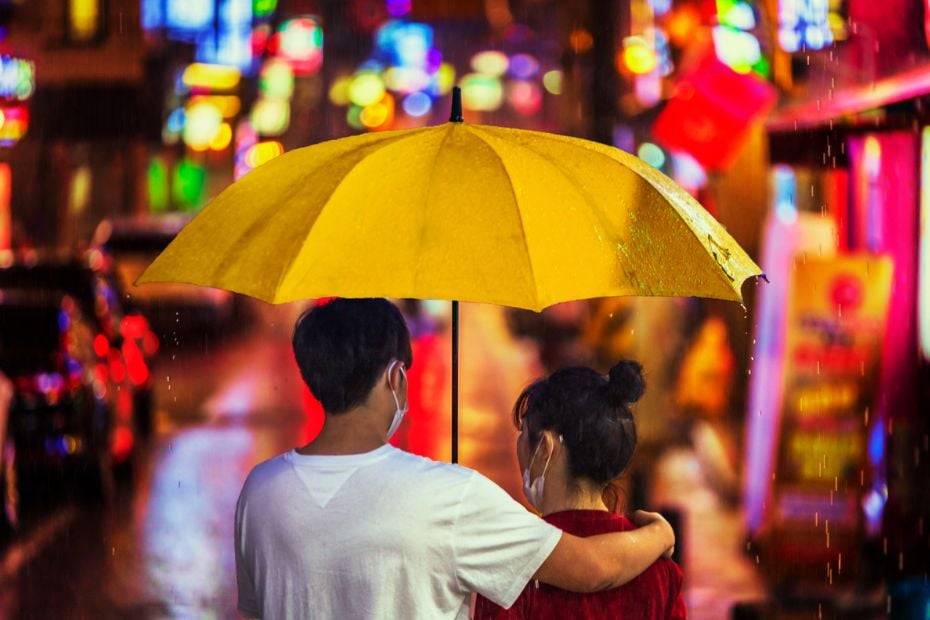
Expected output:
(655, 594)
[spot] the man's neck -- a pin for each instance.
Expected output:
(353, 432)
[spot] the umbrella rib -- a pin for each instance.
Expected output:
(516, 204)
(429, 191)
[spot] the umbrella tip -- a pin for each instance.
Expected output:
(456, 116)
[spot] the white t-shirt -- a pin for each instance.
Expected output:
(385, 534)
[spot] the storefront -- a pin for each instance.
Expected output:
(837, 419)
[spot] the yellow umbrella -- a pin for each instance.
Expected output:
(461, 212)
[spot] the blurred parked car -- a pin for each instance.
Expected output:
(59, 420)
(132, 244)
(122, 336)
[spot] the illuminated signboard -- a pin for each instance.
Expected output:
(221, 29)
(17, 78)
(809, 24)
(828, 458)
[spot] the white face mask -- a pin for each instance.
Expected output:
(398, 412)
(534, 491)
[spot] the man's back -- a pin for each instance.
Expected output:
(382, 534)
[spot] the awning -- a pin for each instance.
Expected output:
(845, 102)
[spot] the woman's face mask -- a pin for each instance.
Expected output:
(534, 491)
(398, 412)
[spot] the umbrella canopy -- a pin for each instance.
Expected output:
(457, 211)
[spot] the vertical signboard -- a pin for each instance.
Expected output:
(836, 324)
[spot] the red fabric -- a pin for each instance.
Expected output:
(655, 594)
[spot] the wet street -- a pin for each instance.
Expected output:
(164, 548)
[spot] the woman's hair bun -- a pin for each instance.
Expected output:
(625, 383)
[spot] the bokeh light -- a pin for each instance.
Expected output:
(417, 104)
(378, 115)
(276, 80)
(366, 88)
(223, 138)
(270, 117)
(339, 91)
(263, 152)
(524, 96)
(638, 56)
(481, 92)
(201, 126)
(523, 66)
(651, 154)
(211, 77)
(580, 40)
(490, 62)
(552, 81)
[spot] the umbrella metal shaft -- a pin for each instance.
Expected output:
(455, 382)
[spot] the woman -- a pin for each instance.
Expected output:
(576, 436)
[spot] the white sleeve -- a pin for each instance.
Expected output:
(248, 601)
(498, 545)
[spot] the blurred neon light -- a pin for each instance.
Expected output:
(490, 63)
(17, 78)
(738, 15)
(203, 122)
(189, 181)
(366, 88)
(638, 56)
(6, 225)
(481, 92)
(378, 114)
(406, 44)
(524, 66)
(157, 184)
(223, 138)
(14, 121)
(83, 19)
(406, 79)
(301, 44)
(687, 172)
(804, 24)
(651, 154)
(399, 8)
(417, 104)
(736, 48)
(525, 97)
(923, 286)
(228, 41)
(270, 117)
(188, 14)
(443, 80)
(353, 117)
(339, 91)
(228, 105)
(786, 198)
(79, 189)
(210, 76)
(552, 81)
(263, 152)
(264, 8)
(276, 80)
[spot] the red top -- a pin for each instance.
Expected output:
(655, 594)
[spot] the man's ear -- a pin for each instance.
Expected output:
(395, 374)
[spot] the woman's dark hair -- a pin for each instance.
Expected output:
(590, 412)
(342, 346)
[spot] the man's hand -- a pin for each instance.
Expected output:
(642, 518)
(608, 560)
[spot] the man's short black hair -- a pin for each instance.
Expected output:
(343, 346)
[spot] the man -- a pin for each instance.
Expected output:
(350, 527)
